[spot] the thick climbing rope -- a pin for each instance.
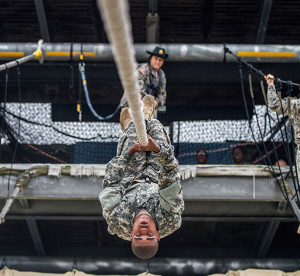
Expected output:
(115, 15)
(37, 54)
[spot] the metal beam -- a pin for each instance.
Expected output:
(184, 218)
(267, 238)
(212, 188)
(152, 23)
(40, 10)
(35, 235)
(169, 266)
(177, 52)
(263, 21)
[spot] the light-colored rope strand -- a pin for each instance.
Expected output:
(115, 15)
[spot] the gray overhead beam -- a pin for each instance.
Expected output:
(177, 52)
(169, 266)
(263, 21)
(35, 235)
(184, 218)
(40, 10)
(267, 238)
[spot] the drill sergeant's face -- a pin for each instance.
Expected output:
(156, 62)
(144, 231)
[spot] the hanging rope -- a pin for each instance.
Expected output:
(22, 180)
(35, 55)
(87, 97)
(115, 14)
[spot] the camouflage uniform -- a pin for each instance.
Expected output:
(158, 87)
(145, 180)
(275, 105)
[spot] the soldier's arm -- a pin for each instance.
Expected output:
(142, 79)
(112, 191)
(162, 94)
(276, 104)
(115, 170)
(170, 190)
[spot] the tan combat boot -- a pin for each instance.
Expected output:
(125, 117)
(149, 106)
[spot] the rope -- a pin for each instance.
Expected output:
(22, 180)
(35, 55)
(8, 204)
(4, 109)
(115, 14)
(87, 97)
(284, 188)
(59, 131)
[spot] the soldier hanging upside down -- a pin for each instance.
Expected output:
(151, 78)
(142, 196)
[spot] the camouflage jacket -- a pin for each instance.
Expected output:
(159, 94)
(280, 106)
(144, 180)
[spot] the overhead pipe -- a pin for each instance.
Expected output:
(177, 52)
(161, 266)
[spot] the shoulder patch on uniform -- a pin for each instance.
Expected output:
(142, 71)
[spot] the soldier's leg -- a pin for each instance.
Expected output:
(158, 133)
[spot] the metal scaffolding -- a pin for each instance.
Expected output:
(177, 52)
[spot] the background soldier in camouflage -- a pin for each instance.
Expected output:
(151, 78)
(142, 196)
(280, 106)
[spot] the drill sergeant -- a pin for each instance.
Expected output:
(142, 196)
(151, 78)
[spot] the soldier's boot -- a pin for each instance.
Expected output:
(125, 118)
(149, 106)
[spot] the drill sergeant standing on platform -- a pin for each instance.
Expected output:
(278, 105)
(142, 196)
(151, 78)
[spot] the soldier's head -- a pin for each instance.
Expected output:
(144, 237)
(201, 156)
(157, 58)
(238, 155)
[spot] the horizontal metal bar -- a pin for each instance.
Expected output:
(190, 219)
(134, 266)
(16, 62)
(211, 188)
(177, 52)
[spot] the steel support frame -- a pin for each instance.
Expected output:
(263, 21)
(177, 52)
(165, 266)
(41, 14)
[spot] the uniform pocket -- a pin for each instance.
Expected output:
(109, 198)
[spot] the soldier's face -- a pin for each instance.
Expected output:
(144, 231)
(237, 155)
(156, 62)
(201, 157)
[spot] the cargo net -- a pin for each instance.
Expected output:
(41, 140)
(31, 125)
(259, 139)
